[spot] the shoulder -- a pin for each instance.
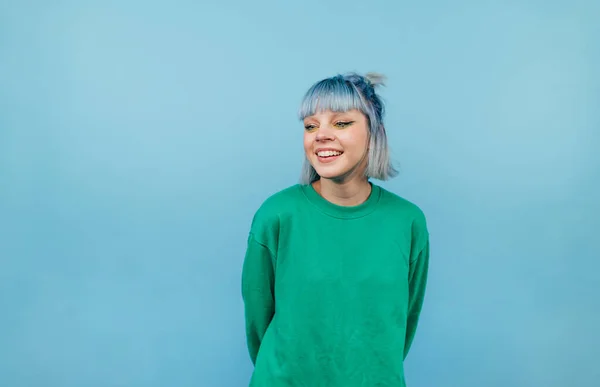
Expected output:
(396, 202)
(402, 208)
(280, 202)
(281, 198)
(277, 205)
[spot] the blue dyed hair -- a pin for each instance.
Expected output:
(342, 93)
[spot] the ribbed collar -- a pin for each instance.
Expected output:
(343, 212)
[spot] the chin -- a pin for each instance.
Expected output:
(331, 174)
(336, 172)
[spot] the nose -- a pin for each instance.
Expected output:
(324, 133)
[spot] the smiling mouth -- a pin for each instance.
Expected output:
(328, 154)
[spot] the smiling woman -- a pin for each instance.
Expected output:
(336, 267)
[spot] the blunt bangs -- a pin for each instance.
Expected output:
(335, 94)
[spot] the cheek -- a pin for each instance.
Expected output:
(356, 141)
(307, 142)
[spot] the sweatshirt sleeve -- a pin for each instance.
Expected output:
(417, 282)
(258, 293)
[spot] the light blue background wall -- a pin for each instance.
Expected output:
(138, 138)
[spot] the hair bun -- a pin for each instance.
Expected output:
(375, 79)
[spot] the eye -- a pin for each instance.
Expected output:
(343, 124)
(310, 127)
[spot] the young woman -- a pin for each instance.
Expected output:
(335, 269)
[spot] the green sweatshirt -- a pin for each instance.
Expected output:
(333, 294)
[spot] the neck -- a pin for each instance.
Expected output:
(347, 193)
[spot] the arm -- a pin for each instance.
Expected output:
(417, 282)
(258, 281)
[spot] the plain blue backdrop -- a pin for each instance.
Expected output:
(138, 138)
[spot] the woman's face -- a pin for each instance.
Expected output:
(336, 143)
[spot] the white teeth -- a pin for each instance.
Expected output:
(328, 153)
